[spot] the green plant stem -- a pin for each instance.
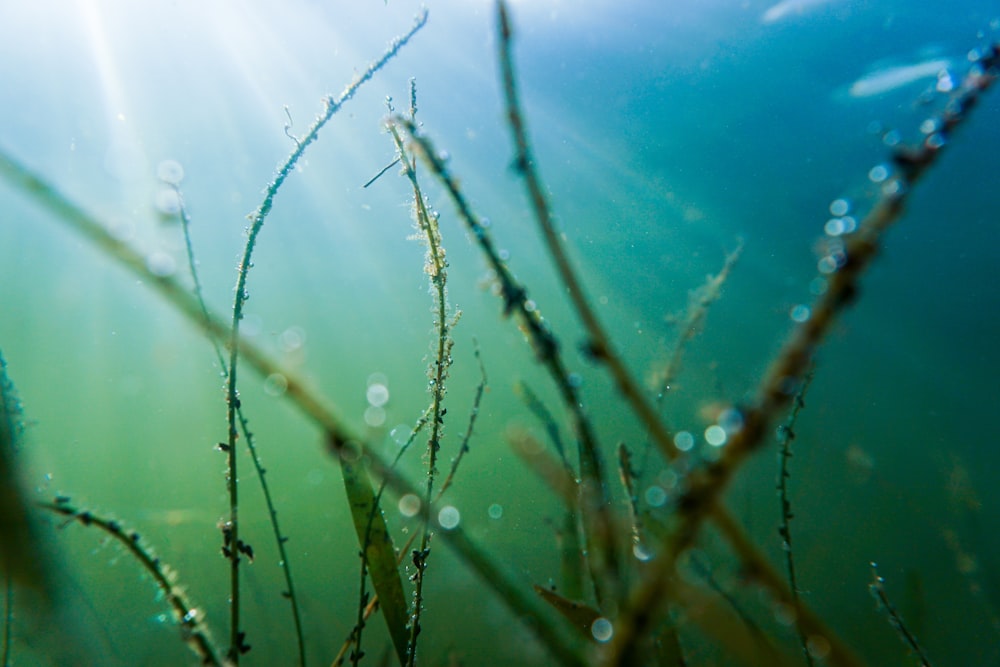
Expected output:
(877, 589)
(8, 615)
(331, 106)
(279, 537)
(312, 404)
(786, 434)
(436, 268)
(705, 485)
(599, 346)
(193, 629)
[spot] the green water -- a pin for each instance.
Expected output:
(665, 136)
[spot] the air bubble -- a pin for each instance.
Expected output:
(731, 421)
(377, 394)
(834, 227)
(656, 496)
(449, 517)
(935, 140)
(715, 435)
(800, 313)
(818, 646)
(275, 384)
(684, 441)
(839, 207)
(292, 338)
(400, 434)
(878, 173)
(641, 553)
(167, 202)
(930, 126)
(602, 630)
(374, 416)
(495, 511)
(160, 264)
(409, 505)
(945, 82)
(170, 172)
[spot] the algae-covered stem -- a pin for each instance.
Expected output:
(599, 345)
(706, 485)
(436, 268)
(331, 106)
(193, 629)
(279, 537)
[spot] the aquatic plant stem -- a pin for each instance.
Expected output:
(705, 485)
(599, 346)
(786, 434)
(877, 589)
(8, 615)
(436, 269)
(594, 490)
(279, 537)
(193, 629)
(331, 106)
(310, 402)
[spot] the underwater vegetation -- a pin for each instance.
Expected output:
(627, 512)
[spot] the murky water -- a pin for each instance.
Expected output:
(667, 135)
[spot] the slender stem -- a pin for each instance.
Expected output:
(331, 106)
(190, 618)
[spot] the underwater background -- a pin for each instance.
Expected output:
(667, 132)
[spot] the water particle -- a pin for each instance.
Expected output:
(827, 265)
(641, 553)
(292, 339)
(495, 511)
(275, 384)
(656, 496)
(449, 517)
(161, 264)
(602, 630)
(818, 646)
(731, 421)
(818, 286)
(839, 207)
(715, 435)
(170, 172)
(800, 313)
(409, 505)
(930, 125)
(377, 394)
(684, 441)
(892, 138)
(784, 614)
(374, 416)
(878, 173)
(945, 82)
(894, 188)
(936, 140)
(400, 434)
(167, 202)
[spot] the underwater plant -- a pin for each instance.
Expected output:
(649, 557)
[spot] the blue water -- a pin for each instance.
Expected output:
(667, 133)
